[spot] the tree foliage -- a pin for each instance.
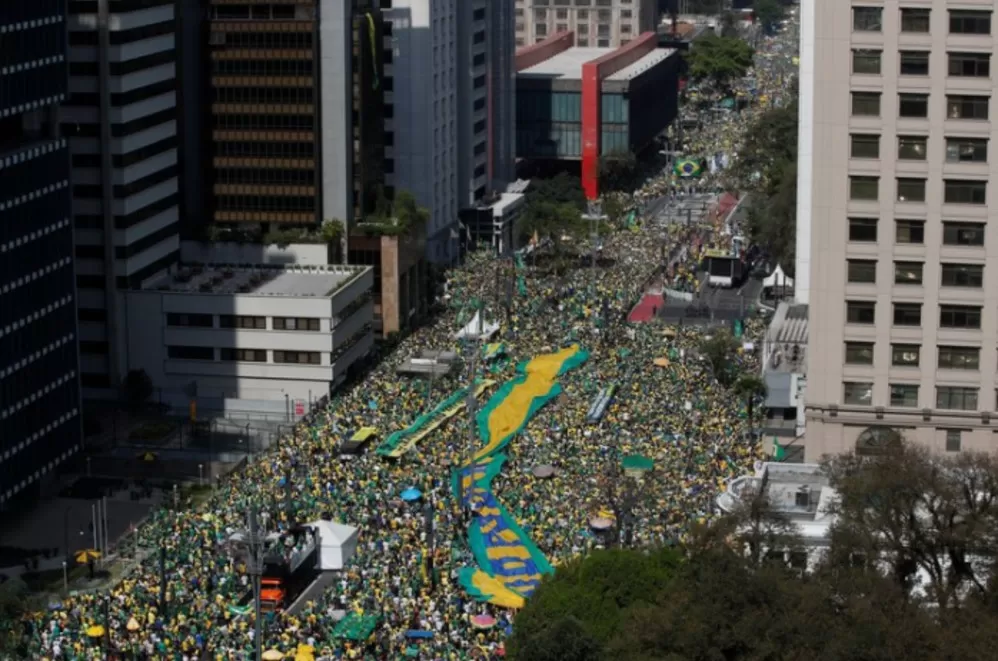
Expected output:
(717, 350)
(719, 59)
(768, 13)
(553, 209)
(750, 388)
(617, 172)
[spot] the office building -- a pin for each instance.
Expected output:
(596, 23)
(121, 122)
(449, 108)
(895, 255)
(258, 340)
(39, 380)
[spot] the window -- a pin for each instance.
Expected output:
(866, 104)
(907, 314)
(857, 392)
(963, 275)
(244, 355)
(959, 106)
(907, 273)
(190, 353)
(296, 323)
(192, 320)
(914, 63)
(904, 395)
(910, 190)
(242, 321)
(297, 357)
(975, 65)
(860, 312)
(862, 271)
(904, 355)
(913, 105)
(909, 231)
(914, 19)
(961, 191)
(863, 188)
(956, 398)
(969, 21)
(960, 316)
(953, 437)
(866, 61)
(863, 229)
(911, 147)
(959, 358)
(859, 353)
(865, 145)
(966, 150)
(867, 19)
(963, 234)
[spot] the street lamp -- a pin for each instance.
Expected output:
(253, 541)
(200, 475)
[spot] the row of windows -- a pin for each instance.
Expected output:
(912, 189)
(915, 148)
(908, 355)
(867, 61)
(905, 395)
(864, 271)
(918, 20)
(916, 106)
(251, 322)
(180, 352)
(912, 232)
(910, 314)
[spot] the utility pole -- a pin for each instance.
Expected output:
(595, 210)
(254, 567)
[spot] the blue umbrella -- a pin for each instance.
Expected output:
(55, 605)
(411, 494)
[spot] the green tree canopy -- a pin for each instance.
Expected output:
(719, 59)
(768, 13)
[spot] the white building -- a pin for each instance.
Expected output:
(492, 221)
(265, 341)
(784, 370)
(599, 24)
(449, 107)
(121, 121)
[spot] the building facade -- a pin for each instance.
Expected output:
(895, 255)
(40, 422)
(121, 122)
(596, 23)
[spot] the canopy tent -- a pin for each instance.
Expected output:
(777, 279)
(477, 329)
(337, 544)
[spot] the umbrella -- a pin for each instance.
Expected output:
(600, 523)
(55, 605)
(147, 456)
(637, 462)
(96, 631)
(483, 621)
(87, 555)
(272, 655)
(411, 494)
(133, 624)
(543, 471)
(661, 362)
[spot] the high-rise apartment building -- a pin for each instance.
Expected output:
(121, 122)
(596, 23)
(39, 380)
(450, 107)
(895, 254)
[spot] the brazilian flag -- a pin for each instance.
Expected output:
(687, 168)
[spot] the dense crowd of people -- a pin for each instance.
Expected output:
(668, 407)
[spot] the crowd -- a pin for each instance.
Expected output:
(668, 407)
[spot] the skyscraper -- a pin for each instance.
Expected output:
(895, 254)
(39, 380)
(121, 121)
(599, 24)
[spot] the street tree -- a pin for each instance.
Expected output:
(768, 13)
(717, 350)
(719, 59)
(750, 389)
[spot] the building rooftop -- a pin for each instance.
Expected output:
(798, 491)
(567, 65)
(785, 345)
(257, 280)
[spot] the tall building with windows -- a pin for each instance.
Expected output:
(596, 23)
(121, 122)
(39, 380)
(895, 254)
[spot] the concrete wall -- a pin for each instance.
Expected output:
(204, 252)
(335, 76)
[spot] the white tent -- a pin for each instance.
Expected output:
(478, 329)
(777, 279)
(337, 544)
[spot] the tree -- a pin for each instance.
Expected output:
(750, 388)
(768, 13)
(137, 388)
(333, 234)
(596, 592)
(555, 220)
(915, 516)
(717, 350)
(617, 171)
(729, 24)
(719, 59)
(614, 208)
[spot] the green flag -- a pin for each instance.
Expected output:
(778, 452)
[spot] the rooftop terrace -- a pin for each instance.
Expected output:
(567, 65)
(258, 280)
